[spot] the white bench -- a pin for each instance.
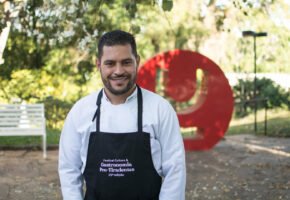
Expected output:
(23, 120)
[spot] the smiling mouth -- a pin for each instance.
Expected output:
(119, 78)
(119, 81)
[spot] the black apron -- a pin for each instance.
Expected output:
(119, 165)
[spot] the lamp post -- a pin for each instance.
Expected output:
(254, 35)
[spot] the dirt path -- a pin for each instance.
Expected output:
(239, 167)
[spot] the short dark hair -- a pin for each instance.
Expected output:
(117, 37)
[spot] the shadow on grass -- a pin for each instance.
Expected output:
(275, 127)
(32, 142)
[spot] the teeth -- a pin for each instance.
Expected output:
(121, 78)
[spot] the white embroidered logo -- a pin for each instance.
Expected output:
(116, 167)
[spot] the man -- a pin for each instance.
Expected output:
(122, 141)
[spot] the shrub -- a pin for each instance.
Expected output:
(265, 89)
(55, 112)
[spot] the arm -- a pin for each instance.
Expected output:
(173, 157)
(70, 163)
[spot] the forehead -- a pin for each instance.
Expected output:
(117, 52)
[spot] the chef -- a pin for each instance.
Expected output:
(122, 142)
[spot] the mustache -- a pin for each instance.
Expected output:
(119, 76)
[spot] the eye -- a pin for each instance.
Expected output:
(109, 63)
(127, 62)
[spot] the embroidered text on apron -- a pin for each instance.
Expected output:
(119, 165)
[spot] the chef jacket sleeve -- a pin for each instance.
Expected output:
(173, 156)
(69, 166)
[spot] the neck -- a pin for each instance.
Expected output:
(118, 99)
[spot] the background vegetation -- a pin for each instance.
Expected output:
(51, 51)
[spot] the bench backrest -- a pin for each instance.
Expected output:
(22, 119)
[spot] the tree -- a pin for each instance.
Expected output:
(46, 25)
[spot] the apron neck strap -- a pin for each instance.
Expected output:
(99, 101)
(98, 113)
(139, 111)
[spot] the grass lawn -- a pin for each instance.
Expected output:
(278, 125)
(30, 141)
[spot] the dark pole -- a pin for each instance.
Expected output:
(254, 35)
(265, 125)
(255, 85)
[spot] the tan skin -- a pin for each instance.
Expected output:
(118, 67)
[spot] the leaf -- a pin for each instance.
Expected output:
(167, 5)
(135, 29)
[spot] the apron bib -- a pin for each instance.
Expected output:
(119, 165)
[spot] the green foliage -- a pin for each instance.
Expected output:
(2, 19)
(21, 86)
(276, 96)
(44, 26)
(52, 45)
(31, 86)
(55, 112)
(167, 5)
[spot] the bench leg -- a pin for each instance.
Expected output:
(44, 146)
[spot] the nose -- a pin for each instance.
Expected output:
(119, 69)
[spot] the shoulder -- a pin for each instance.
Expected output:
(155, 100)
(88, 100)
(151, 95)
(85, 104)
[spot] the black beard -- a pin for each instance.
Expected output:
(129, 86)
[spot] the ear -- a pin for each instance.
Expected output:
(138, 61)
(98, 63)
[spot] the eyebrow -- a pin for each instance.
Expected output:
(107, 61)
(127, 59)
(123, 60)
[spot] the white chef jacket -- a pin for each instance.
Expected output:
(159, 119)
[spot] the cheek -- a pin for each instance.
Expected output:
(133, 70)
(105, 71)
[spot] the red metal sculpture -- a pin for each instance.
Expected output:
(208, 101)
